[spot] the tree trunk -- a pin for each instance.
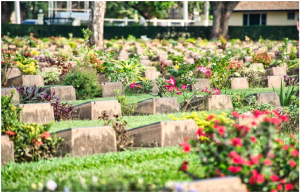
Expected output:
(6, 11)
(221, 11)
(96, 23)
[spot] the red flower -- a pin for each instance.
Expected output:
(234, 170)
(295, 153)
(221, 130)
(274, 178)
(279, 141)
(253, 139)
(288, 187)
(254, 159)
(45, 135)
(253, 123)
(279, 187)
(267, 162)
(210, 117)
(184, 166)
(186, 147)
(39, 142)
(257, 113)
(235, 114)
(256, 178)
(284, 118)
(292, 163)
(273, 190)
(237, 142)
(233, 154)
(132, 85)
(10, 132)
(285, 147)
(200, 132)
(33, 140)
(282, 181)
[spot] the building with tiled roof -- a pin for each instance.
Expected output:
(271, 13)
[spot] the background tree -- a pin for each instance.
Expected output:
(118, 9)
(96, 23)
(7, 7)
(151, 9)
(221, 11)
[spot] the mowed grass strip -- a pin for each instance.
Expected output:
(158, 166)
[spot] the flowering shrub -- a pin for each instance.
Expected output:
(32, 142)
(250, 73)
(28, 66)
(262, 57)
(6, 64)
(230, 151)
(204, 72)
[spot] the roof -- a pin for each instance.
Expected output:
(266, 5)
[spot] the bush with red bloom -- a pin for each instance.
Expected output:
(234, 170)
(45, 135)
(184, 166)
(267, 162)
(238, 142)
(10, 133)
(186, 147)
(292, 163)
(274, 178)
(253, 139)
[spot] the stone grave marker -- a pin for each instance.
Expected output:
(268, 81)
(144, 58)
(151, 75)
(163, 57)
(201, 84)
(210, 103)
(36, 113)
(239, 83)
(169, 62)
(26, 80)
(224, 184)
(163, 134)
(145, 62)
(268, 98)
(189, 60)
(92, 110)
(276, 71)
(102, 78)
(108, 88)
(248, 59)
(12, 72)
(7, 92)
(63, 93)
(7, 150)
(155, 106)
(82, 141)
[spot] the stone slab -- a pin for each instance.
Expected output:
(36, 113)
(7, 150)
(102, 78)
(63, 93)
(43, 64)
(26, 80)
(7, 92)
(92, 110)
(163, 134)
(239, 83)
(108, 88)
(145, 62)
(144, 58)
(189, 60)
(151, 74)
(270, 81)
(268, 98)
(157, 106)
(293, 71)
(12, 72)
(163, 57)
(225, 184)
(84, 141)
(276, 71)
(248, 59)
(210, 103)
(201, 84)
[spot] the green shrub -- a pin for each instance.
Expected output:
(72, 44)
(32, 141)
(50, 76)
(126, 107)
(85, 82)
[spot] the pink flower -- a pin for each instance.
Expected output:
(184, 87)
(288, 187)
(274, 178)
(221, 130)
(200, 132)
(279, 187)
(132, 85)
(217, 91)
(186, 147)
(292, 163)
(295, 153)
(171, 81)
(253, 139)
(237, 142)
(267, 162)
(235, 114)
(234, 170)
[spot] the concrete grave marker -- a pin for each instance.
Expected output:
(63, 93)
(276, 71)
(145, 62)
(201, 84)
(108, 88)
(163, 134)
(92, 110)
(84, 141)
(270, 81)
(7, 92)
(12, 72)
(36, 113)
(157, 106)
(268, 98)
(26, 80)
(239, 83)
(7, 150)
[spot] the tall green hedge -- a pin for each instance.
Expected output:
(234, 32)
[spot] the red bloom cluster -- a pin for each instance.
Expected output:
(186, 147)
(235, 65)
(10, 132)
(234, 170)
(172, 86)
(237, 142)
(256, 178)
(184, 166)
(45, 135)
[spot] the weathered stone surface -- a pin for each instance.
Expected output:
(163, 57)
(73, 63)
(239, 83)
(225, 184)
(145, 62)
(7, 91)
(7, 150)
(268, 98)
(201, 84)
(92, 110)
(26, 80)
(189, 60)
(270, 81)
(63, 93)
(151, 74)
(47, 69)
(43, 64)
(210, 103)
(169, 62)
(293, 71)
(36, 113)
(248, 58)
(144, 58)
(163, 134)
(108, 88)
(12, 72)
(276, 71)
(84, 141)
(157, 106)
(102, 78)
